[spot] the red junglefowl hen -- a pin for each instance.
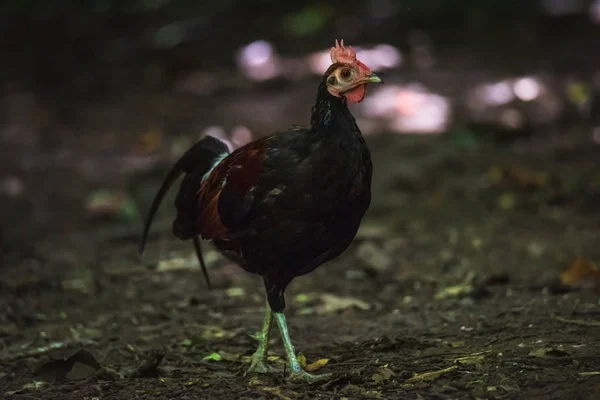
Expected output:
(284, 204)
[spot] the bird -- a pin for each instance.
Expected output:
(284, 204)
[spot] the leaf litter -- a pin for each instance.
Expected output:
(377, 345)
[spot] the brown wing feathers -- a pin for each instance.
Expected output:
(236, 175)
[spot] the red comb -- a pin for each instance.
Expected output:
(346, 55)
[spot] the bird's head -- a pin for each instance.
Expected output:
(347, 76)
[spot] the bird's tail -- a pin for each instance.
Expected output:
(195, 163)
(201, 161)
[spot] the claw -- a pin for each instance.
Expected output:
(260, 367)
(305, 377)
(259, 358)
(259, 364)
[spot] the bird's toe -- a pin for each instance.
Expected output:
(259, 367)
(305, 377)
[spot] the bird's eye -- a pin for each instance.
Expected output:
(332, 81)
(345, 73)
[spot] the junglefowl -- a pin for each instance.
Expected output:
(284, 204)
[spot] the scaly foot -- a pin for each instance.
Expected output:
(305, 377)
(259, 358)
(260, 365)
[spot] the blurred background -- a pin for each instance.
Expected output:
(98, 98)
(485, 217)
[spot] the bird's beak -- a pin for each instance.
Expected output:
(372, 78)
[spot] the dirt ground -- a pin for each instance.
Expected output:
(472, 277)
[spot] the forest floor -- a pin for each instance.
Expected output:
(471, 277)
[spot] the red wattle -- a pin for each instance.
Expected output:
(357, 94)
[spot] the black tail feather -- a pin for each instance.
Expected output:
(175, 173)
(197, 161)
(198, 248)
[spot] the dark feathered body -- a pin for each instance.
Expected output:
(285, 204)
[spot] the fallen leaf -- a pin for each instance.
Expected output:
(589, 373)
(528, 177)
(36, 385)
(374, 256)
(235, 292)
(177, 263)
(506, 388)
(214, 357)
(227, 356)
(317, 365)
(474, 358)
(301, 360)
(332, 303)
(107, 203)
(548, 351)
(430, 375)
(383, 374)
(22, 351)
(77, 366)
(215, 332)
(209, 333)
(372, 231)
(460, 290)
(255, 381)
(304, 297)
(581, 273)
(192, 382)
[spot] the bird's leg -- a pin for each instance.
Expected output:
(259, 358)
(297, 373)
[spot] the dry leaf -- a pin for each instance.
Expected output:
(429, 376)
(301, 359)
(332, 303)
(548, 351)
(317, 365)
(383, 374)
(374, 256)
(521, 175)
(460, 290)
(474, 358)
(581, 273)
(77, 366)
(235, 292)
(255, 381)
(528, 177)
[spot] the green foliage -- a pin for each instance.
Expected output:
(308, 21)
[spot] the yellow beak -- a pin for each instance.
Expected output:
(373, 79)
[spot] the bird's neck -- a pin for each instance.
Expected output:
(332, 113)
